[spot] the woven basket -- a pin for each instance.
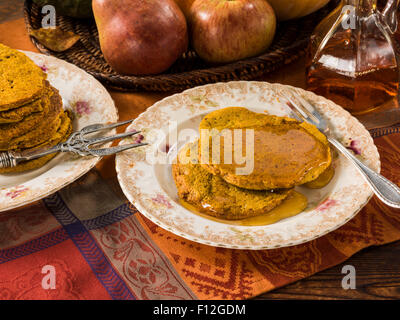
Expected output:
(189, 71)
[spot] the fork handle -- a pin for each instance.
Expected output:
(385, 190)
(11, 159)
(6, 161)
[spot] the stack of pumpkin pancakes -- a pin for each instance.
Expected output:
(285, 154)
(31, 110)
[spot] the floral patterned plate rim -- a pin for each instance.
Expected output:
(91, 103)
(148, 184)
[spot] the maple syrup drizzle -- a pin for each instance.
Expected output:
(293, 205)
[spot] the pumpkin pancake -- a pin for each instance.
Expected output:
(43, 131)
(283, 153)
(18, 114)
(21, 80)
(51, 109)
(62, 134)
(212, 195)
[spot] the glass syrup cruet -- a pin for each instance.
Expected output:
(352, 60)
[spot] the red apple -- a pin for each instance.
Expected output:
(140, 37)
(185, 6)
(229, 30)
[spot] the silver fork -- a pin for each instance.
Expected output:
(78, 143)
(385, 190)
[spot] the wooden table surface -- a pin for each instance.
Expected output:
(377, 268)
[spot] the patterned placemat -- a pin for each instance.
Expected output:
(105, 249)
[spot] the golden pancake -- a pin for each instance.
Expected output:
(21, 80)
(282, 152)
(42, 132)
(65, 120)
(212, 195)
(13, 130)
(62, 134)
(18, 114)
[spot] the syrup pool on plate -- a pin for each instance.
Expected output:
(293, 205)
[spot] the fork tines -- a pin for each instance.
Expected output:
(305, 111)
(79, 143)
(101, 126)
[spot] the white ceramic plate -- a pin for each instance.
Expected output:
(90, 103)
(150, 187)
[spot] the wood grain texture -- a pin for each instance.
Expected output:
(11, 10)
(377, 277)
